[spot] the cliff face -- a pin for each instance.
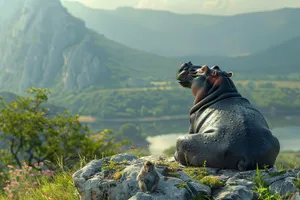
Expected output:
(32, 49)
(42, 45)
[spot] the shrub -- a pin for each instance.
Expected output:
(32, 134)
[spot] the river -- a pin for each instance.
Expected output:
(289, 138)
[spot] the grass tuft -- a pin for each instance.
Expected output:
(182, 185)
(262, 188)
(298, 184)
(212, 182)
(277, 173)
(60, 187)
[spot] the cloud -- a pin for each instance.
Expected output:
(219, 7)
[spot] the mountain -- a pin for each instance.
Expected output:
(42, 45)
(279, 59)
(172, 34)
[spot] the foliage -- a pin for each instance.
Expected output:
(182, 185)
(32, 135)
(138, 152)
(19, 180)
(262, 188)
(170, 100)
(288, 160)
(196, 173)
(298, 184)
(211, 181)
(170, 151)
(277, 173)
(131, 131)
(111, 165)
(58, 187)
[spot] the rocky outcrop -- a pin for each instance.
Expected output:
(114, 178)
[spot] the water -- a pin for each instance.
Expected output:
(289, 138)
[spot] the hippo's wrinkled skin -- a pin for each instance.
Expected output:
(226, 131)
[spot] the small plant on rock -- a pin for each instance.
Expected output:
(298, 184)
(115, 169)
(212, 182)
(277, 173)
(171, 168)
(262, 189)
(181, 185)
(196, 172)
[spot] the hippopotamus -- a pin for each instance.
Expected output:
(226, 131)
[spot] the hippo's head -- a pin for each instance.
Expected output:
(204, 80)
(186, 74)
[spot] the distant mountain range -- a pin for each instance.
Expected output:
(42, 45)
(279, 59)
(170, 34)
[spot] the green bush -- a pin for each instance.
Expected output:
(30, 133)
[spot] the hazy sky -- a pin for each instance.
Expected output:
(222, 7)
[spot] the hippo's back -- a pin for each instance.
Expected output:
(241, 130)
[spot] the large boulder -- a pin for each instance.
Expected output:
(114, 178)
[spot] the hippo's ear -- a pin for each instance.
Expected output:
(216, 67)
(229, 74)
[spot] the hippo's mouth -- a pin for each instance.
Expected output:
(185, 84)
(186, 74)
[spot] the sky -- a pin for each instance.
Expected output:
(216, 7)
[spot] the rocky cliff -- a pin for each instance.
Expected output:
(42, 45)
(114, 178)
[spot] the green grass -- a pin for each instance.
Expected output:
(115, 168)
(196, 173)
(277, 173)
(298, 184)
(212, 182)
(182, 185)
(288, 160)
(60, 187)
(171, 170)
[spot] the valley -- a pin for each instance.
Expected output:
(79, 84)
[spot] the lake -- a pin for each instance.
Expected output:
(289, 138)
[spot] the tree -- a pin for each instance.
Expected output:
(32, 135)
(144, 111)
(132, 133)
(251, 85)
(267, 85)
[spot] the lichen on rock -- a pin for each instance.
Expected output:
(114, 178)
